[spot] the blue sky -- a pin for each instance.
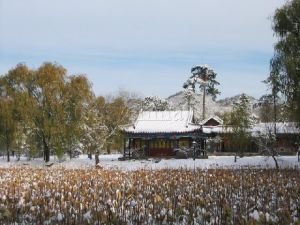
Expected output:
(143, 46)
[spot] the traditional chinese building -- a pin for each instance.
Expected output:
(287, 134)
(159, 132)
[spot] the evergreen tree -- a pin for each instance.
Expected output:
(205, 78)
(238, 122)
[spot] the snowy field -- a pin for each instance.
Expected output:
(150, 191)
(112, 162)
(159, 197)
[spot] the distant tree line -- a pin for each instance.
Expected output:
(45, 111)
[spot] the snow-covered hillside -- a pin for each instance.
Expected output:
(228, 102)
(178, 102)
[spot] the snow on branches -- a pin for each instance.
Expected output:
(204, 77)
(154, 103)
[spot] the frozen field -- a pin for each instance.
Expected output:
(154, 197)
(75, 192)
(112, 162)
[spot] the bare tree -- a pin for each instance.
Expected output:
(266, 141)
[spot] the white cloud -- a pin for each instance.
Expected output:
(136, 24)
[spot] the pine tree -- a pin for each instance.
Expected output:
(205, 78)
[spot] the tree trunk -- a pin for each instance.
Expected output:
(203, 109)
(46, 150)
(7, 153)
(275, 114)
(90, 156)
(276, 163)
(97, 158)
(7, 146)
(108, 148)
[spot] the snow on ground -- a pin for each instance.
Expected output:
(112, 162)
(211, 162)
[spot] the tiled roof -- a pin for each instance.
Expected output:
(281, 128)
(163, 122)
(256, 129)
(181, 122)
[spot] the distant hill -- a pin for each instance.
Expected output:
(230, 100)
(178, 102)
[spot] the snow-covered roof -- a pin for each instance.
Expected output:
(216, 118)
(163, 122)
(214, 129)
(281, 128)
(260, 128)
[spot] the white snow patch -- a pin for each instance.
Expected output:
(112, 162)
(60, 216)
